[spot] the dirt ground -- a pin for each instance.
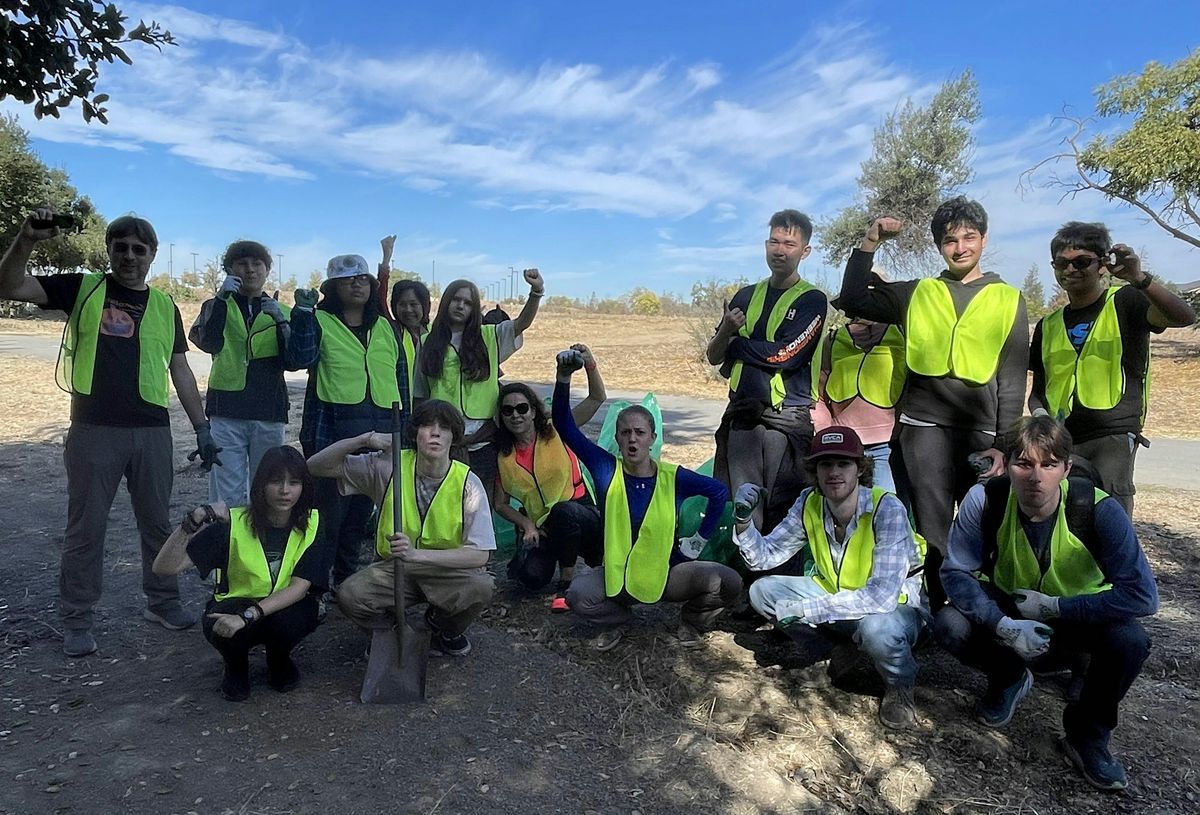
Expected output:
(532, 720)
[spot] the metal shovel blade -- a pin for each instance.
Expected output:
(396, 674)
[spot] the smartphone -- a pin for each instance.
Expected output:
(60, 220)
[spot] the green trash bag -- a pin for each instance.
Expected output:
(720, 547)
(608, 431)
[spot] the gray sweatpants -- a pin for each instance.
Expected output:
(705, 589)
(97, 457)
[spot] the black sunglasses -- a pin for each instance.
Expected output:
(1079, 263)
(508, 410)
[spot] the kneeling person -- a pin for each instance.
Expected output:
(447, 532)
(1036, 561)
(863, 587)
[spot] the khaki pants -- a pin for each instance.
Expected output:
(455, 596)
(705, 589)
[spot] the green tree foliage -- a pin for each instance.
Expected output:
(1035, 294)
(315, 279)
(26, 183)
(645, 302)
(51, 50)
(920, 156)
(711, 295)
(1154, 163)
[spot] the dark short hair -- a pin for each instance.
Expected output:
(1080, 235)
(435, 411)
(1040, 433)
(276, 462)
(958, 211)
(245, 249)
(638, 410)
(790, 219)
(419, 290)
(505, 441)
(866, 470)
(131, 226)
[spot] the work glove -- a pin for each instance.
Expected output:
(1034, 605)
(206, 449)
(693, 545)
(231, 285)
(747, 499)
(1029, 638)
(270, 307)
(306, 299)
(569, 361)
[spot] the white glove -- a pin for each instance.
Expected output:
(747, 499)
(569, 361)
(231, 285)
(270, 307)
(1029, 638)
(1034, 605)
(693, 545)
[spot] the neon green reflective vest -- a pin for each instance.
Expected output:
(854, 569)
(1092, 376)
(938, 342)
(441, 527)
(246, 573)
(261, 342)
(876, 375)
(775, 319)
(344, 367)
(155, 338)
(639, 566)
(1072, 570)
(476, 400)
(411, 352)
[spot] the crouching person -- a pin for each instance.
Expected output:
(1039, 561)
(639, 500)
(864, 591)
(447, 532)
(265, 562)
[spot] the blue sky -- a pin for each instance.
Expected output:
(612, 145)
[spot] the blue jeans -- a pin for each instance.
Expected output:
(880, 453)
(888, 639)
(243, 443)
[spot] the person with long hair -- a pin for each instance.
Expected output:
(358, 373)
(558, 521)
(460, 363)
(265, 559)
(407, 309)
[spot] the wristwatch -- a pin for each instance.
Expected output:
(1144, 283)
(249, 615)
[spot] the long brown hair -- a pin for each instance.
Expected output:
(472, 353)
(504, 439)
(276, 462)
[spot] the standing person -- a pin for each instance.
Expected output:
(639, 502)
(863, 374)
(407, 309)
(121, 342)
(265, 562)
(249, 337)
(967, 350)
(1040, 561)
(559, 521)
(460, 363)
(358, 373)
(1091, 358)
(765, 345)
(863, 590)
(447, 535)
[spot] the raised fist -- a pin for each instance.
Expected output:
(534, 278)
(884, 229)
(306, 299)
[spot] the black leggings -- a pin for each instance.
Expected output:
(571, 530)
(279, 632)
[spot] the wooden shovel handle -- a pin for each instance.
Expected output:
(397, 526)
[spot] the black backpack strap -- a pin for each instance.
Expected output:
(995, 501)
(1081, 513)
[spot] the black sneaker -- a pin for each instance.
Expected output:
(282, 673)
(996, 709)
(458, 646)
(236, 685)
(1096, 764)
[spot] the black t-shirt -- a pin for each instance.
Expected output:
(1126, 416)
(115, 399)
(265, 396)
(209, 550)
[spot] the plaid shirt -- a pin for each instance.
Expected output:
(895, 555)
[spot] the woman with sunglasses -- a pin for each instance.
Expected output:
(460, 363)
(558, 521)
(265, 562)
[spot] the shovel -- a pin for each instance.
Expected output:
(400, 656)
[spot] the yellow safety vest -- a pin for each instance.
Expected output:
(247, 573)
(261, 342)
(551, 480)
(441, 527)
(1072, 570)
(775, 319)
(411, 351)
(876, 375)
(1092, 376)
(476, 400)
(344, 367)
(854, 569)
(967, 348)
(81, 336)
(639, 566)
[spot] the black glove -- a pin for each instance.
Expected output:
(206, 449)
